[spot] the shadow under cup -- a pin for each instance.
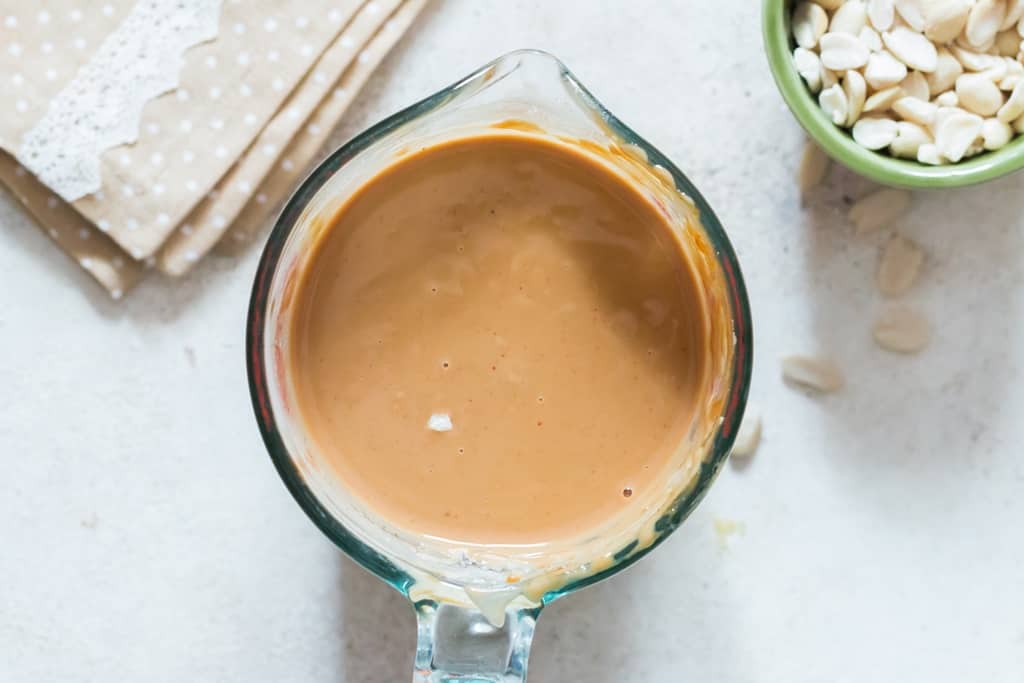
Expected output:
(477, 605)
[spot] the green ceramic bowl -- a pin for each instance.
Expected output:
(838, 144)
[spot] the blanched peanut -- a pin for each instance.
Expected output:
(874, 133)
(969, 59)
(1014, 106)
(996, 71)
(944, 113)
(996, 134)
(883, 70)
(933, 80)
(947, 70)
(871, 39)
(850, 18)
(842, 51)
(901, 330)
(883, 99)
(910, 12)
(856, 91)
(945, 19)
(813, 373)
(878, 210)
(915, 110)
(909, 138)
(899, 267)
(928, 153)
(1010, 82)
(809, 24)
(881, 14)
(809, 67)
(911, 48)
(833, 103)
(748, 436)
(813, 166)
(978, 94)
(984, 21)
(956, 133)
(1014, 74)
(915, 85)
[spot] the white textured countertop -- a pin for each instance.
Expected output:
(144, 535)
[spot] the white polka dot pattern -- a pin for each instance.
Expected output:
(341, 80)
(277, 160)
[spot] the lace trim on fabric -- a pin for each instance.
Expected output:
(101, 107)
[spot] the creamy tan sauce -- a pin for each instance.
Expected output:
(524, 289)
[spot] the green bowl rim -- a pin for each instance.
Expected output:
(839, 145)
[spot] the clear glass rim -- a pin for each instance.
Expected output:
(286, 222)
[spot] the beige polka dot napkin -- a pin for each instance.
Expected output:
(279, 183)
(250, 111)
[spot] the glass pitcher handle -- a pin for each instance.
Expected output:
(459, 645)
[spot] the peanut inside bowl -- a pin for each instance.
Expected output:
(885, 90)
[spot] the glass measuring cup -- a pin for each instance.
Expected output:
(477, 606)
